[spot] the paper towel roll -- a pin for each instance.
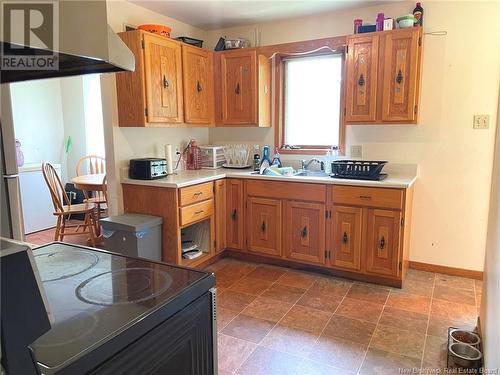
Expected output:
(168, 157)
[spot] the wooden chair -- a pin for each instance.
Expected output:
(63, 208)
(95, 165)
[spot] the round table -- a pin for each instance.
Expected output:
(90, 182)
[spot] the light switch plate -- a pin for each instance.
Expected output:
(481, 122)
(356, 151)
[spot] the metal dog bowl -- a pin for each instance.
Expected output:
(464, 355)
(464, 336)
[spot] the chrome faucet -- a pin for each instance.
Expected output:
(305, 165)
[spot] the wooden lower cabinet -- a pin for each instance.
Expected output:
(264, 225)
(234, 214)
(383, 242)
(304, 231)
(345, 237)
(220, 215)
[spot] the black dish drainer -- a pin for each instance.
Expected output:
(358, 169)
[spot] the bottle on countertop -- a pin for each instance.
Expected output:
(256, 158)
(193, 156)
(418, 13)
(266, 155)
(277, 159)
(380, 22)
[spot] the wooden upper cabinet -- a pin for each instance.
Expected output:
(362, 70)
(264, 225)
(197, 74)
(401, 69)
(304, 231)
(383, 77)
(245, 88)
(234, 214)
(163, 69)
(346, 237)
(382, 242)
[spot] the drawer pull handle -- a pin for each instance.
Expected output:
(382, 243)
(345, 239)
(197, 194)
(263, 226)
(165, 82)
(198, 212)
(303, 233)
(365, 197)
(234, 215)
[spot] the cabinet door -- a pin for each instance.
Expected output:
(345, 237)
(382, 242)
(361, 86)
(304, 232)
(238, 74)
(220, 215)
(197, 74)
(400, 80)
(234, 213)
(264, 225)
(163, 68)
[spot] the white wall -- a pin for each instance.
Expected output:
(38, 126)
(74, 121)
(491, 284)
(123, 144)
(460, 78)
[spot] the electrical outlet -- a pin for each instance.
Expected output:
(356, 151)
(481, 122)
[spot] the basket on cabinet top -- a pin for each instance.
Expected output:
(357, 168)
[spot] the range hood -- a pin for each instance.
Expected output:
(87, 44)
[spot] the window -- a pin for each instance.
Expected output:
(311, 109)
(94, 129)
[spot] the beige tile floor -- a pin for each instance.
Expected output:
(274, 320)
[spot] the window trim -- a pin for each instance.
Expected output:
(282, 54)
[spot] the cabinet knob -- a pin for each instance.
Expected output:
(399, 77)
(165, 82)
(198, 86)
(303, 232)
(237, 89)
(361, 80)
(345, 238)
(233, 215)
(382, 243)
(263, 226)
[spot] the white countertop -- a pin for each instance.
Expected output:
(399, 176)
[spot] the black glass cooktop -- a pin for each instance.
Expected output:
(95, 295)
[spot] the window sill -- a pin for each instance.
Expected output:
(304, 151)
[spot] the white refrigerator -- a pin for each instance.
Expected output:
(11, 219)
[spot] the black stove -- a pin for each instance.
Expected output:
(100, 302)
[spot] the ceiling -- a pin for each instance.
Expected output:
(210, 15)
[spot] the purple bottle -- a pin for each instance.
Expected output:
(380, 22)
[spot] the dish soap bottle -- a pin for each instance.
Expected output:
(193, 156)
(418, 13)
(265, 155)
(277, 159)
(256, 158)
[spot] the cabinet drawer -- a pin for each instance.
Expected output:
(286, 190)
(196, 212)
(196, 193)
(367, 196)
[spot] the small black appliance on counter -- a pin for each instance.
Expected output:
(147, 168)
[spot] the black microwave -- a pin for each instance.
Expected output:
(147, 168)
